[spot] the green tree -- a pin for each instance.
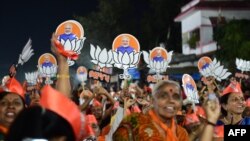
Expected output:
(234, 41)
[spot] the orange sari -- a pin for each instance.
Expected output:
(141, 127)
(174, 133)
(3, 132)
(170, 133)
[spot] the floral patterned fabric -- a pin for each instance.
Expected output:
(141, 127)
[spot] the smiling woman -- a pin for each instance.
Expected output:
(11, 104)
(167, 100)
(158, 124)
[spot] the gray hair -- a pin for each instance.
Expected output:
(164, 83)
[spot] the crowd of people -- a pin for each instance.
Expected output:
(60, 112)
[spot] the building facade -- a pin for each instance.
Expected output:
(199, 18)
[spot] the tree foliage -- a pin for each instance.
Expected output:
(234, 41)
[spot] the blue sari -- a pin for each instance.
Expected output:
(244, 121)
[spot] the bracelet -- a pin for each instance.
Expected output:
(62, 76)
(209, 122)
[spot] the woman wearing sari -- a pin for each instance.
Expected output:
(159, 123)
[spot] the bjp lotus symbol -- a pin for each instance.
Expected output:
(207, 68)
(158, 60)
(47, 67)
(102, 58)
(70, 40)
(126, 53)
(31, 77)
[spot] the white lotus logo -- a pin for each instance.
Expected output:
(31, 77)
(102, 58)
(125, 61)
(75, 45)
(48, 72)
(242, 65)
(157, 66)
(81, 77)
(216, 70)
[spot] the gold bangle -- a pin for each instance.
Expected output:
(63, 76)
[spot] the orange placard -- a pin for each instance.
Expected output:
(126, 39)
(77, 28)
(187, 80)
(158, 51)
(203, 62)
(45, 58)
(189, 83)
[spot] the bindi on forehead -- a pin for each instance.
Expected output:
(171, 90)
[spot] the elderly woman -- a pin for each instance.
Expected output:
(11, 104)
(158, 124)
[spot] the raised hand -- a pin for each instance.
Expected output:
(212, 108)
(128, 102)
(86, 94)
(12, 70)
(142, 102)
(53, 46)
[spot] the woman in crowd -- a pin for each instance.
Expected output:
(233, 104)
(97, 108)
(11, 104)
(57, 119)
(38, 123)
(158, 124)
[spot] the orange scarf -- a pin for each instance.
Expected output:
(170, 133)
(3, 130)
(101, 138)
